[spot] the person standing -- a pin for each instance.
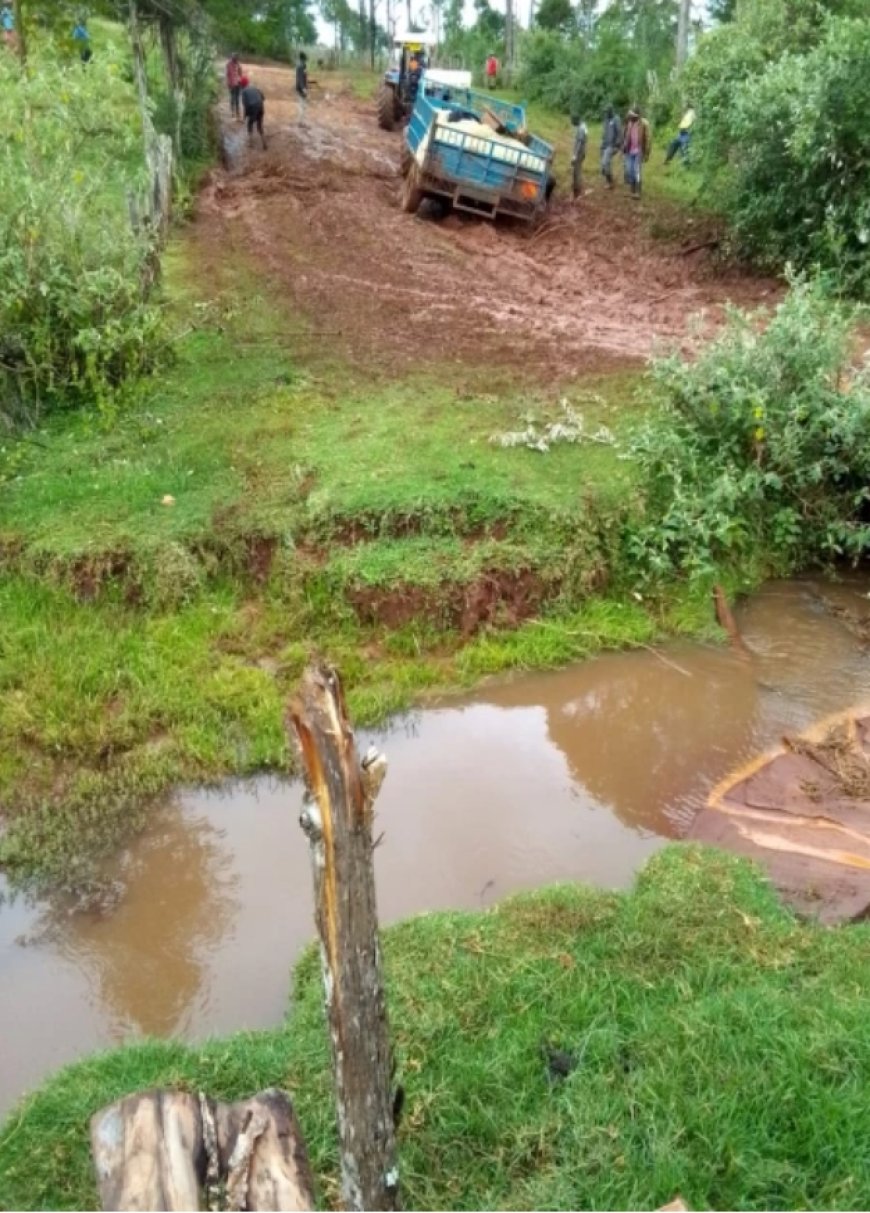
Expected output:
(415, 75)
(611, 142)
(491, 70)
(234, 84)
(578, 155)
(7, 24)
(636, 147)
(302, 84)
(683, 137)
(82, 39)
(253, 108)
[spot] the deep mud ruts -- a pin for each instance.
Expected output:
(588, 289)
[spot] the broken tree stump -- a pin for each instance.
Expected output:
(725, 619)
(161, 1150)
(338, 823)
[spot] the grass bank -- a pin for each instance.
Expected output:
(720, 1052)
(166, 572)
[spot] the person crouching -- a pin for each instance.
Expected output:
(253, 106)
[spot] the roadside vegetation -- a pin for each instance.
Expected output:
(167, 575)
(782, 93)
(196, 497)
(718, 1049)
(175, 546)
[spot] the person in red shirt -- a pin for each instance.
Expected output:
(636, 147)
(234, 84)
(491, 71)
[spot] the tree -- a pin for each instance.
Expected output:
(261, 27)
(556, 15)
(782, 137)
(682, 51)
(489, 21)
(452, 22)
(722, 10)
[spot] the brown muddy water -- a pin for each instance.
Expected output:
(575, 775)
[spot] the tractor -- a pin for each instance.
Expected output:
(395, 99)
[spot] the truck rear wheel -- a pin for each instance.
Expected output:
(412, 195)
(386, 107)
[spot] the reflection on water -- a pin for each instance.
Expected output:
(577, 775)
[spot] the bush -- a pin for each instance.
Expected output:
(761, 449)
(791, 136)
(570, 77)
(73, 320)
(198, 129)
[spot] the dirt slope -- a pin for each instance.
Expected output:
(319, 209)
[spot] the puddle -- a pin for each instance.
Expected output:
(575, 775)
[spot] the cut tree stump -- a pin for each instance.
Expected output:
(169, 1150)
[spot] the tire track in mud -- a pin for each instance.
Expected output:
(588, 290)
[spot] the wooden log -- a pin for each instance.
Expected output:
(338, 823)
(725, 619)
(262, 1152)
(158, 1150)
(148, 1151)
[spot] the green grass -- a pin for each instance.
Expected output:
(722, 1050)
(311, 511)
(240, 436)
(166, 570)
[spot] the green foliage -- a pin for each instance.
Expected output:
(722, 1050)
(566, 75)
(618, 59)
(276, 28)
(73, 322)
(557, 16)
(761, 449)
(195, 134)
(783, 131)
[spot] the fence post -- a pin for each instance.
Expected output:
(337, 820)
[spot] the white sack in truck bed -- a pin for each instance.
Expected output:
(477, 137)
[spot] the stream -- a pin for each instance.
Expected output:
(575, 775)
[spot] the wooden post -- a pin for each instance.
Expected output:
(338, 824)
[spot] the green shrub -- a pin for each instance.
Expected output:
(788, 138)
(761, 448)
(570, 77)
(198, 132)
(73, 319)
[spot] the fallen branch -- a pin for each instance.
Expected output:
(726, 620)
(665, 660)
(696, 248)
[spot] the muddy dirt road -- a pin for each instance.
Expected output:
(318, 211)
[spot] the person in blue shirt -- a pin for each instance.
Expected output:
(83, 39)
(7, 24)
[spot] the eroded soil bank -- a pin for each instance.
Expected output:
(576, 775)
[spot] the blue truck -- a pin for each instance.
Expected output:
(474, 151)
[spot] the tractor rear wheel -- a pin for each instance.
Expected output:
(386, 107)
(406, 161)
(412, 195)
